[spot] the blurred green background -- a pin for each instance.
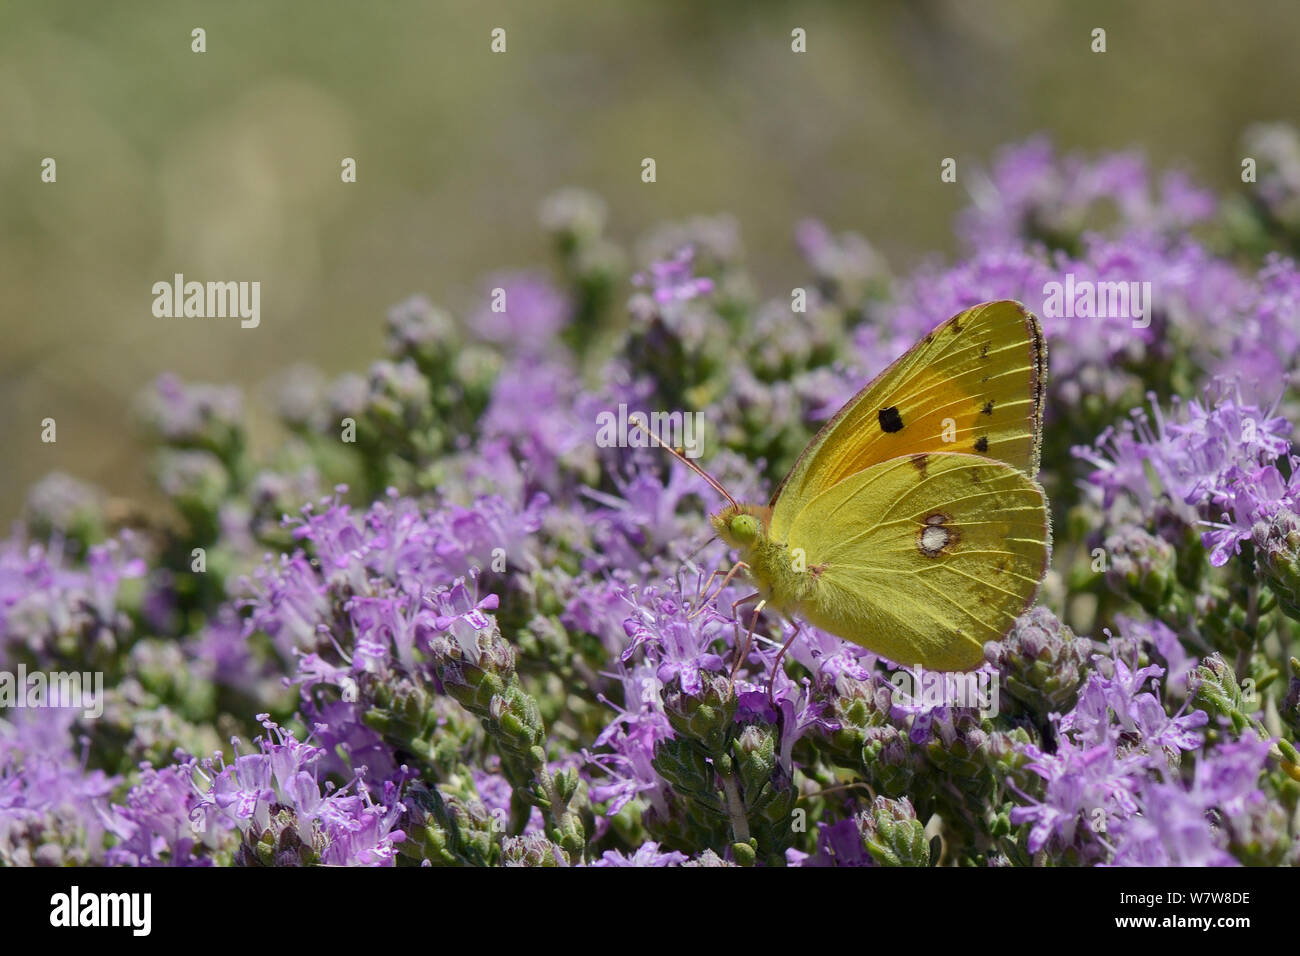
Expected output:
(225, 165)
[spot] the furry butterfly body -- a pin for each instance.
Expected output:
(912, 524)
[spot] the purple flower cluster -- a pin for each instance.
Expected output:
(1117, 736)
(506, 639)
(1031, 191)
(51, 804)
(51, 608)
(1217, 461)
(673, 280)
(276, 790)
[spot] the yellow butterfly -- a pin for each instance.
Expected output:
(912, 524)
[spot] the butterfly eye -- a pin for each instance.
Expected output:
(744, 527)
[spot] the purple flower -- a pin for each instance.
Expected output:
(155, 826)
(674, 640)
(626, 762)
(44, 599)
(793, 708)
(464, 615)
(496, 794)
(599, 608)
(1116, 741)
(1121, 704)
(648, 517)
(193, 415)
(840, 844)
(673, 280)
(288, 602)
(931, 699)
(1178, 664)
(526, 318)
(349, 748)
(489, 529)
(844, 265)
(258, 789)
(1248, 496)
(1174, 825)
(385, 560)
(831, 658)
(1086, 788)
(221, 653)
(1170, 830)
(538, 409)
(1262, 331)
(1033, 194)
(647, 854)
(1214, 461)
(51, 807)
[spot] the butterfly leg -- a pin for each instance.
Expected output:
(735, 618)
(776, 667)
(749, 636)
(704, 601)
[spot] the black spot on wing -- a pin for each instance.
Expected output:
(982, 444)
(988, 407)
(890, 420)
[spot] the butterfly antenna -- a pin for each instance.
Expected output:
(713, 482)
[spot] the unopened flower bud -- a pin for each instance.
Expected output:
(706, 716)
(1141, 567)
(1041, 662)
(1277, 549)
(892, 833)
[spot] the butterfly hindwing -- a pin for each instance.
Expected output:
(924, 564)
(975, 384)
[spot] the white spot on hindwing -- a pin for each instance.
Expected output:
(934, 537)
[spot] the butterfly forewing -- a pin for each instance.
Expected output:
(973, 385)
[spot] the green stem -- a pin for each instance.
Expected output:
(735, 809)
(1242, 665)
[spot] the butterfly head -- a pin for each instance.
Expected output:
(741, 525)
